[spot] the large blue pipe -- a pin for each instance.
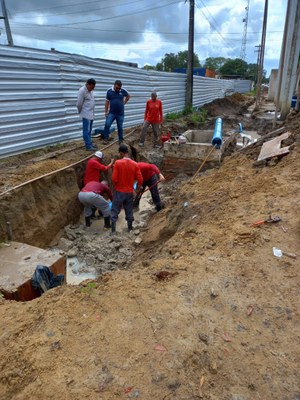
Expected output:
(217, 137)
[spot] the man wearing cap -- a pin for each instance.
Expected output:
(116, 98)
(95, 194)
(151, 174)
(85, 106)
(125, 173)
(94, 167)
(154, 117)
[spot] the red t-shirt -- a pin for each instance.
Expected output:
(125, 172)
(93, 169)
(97, 187)
(148, 170)
(154, 112)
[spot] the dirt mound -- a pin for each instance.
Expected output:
(206, 311)
(200, 308)
(235, 104)
(293, 122)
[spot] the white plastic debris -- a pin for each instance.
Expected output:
(277, 252)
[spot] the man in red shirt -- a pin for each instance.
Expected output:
(125, 173)
(94, 167)
(95, 194)
(153, 116)
(150, 174)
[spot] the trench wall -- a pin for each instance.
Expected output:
(38, 93)
(38, 210)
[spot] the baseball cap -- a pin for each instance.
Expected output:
(99, 154)
(123, 148)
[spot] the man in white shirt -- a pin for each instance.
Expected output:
(85, 106)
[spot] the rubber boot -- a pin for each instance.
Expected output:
(107, 224)
(158, 207)
(94, 209)
(113, 228)
(129, 224)
(87, 221)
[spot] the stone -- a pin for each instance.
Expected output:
(65, 244)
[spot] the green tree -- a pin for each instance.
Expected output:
(251, 72)
(148, 67)
(215, 63)
(171, 61)
(234, 68)
(182, 60)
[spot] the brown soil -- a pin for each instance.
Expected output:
(204, 311)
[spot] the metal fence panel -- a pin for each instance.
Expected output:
(38, 93)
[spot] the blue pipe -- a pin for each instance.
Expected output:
(217, 136)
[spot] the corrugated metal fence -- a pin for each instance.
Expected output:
(38, 93)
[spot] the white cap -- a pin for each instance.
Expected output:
(99, 154)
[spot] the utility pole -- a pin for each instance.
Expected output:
(6, 21)
(258, 51)
(261, 57)
(190, 61)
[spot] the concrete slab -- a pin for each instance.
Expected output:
(188, 156)
(18, 262)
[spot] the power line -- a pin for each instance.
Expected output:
(214, 25)
(113, 17)
(61, 6)
(77, 12)
(32, 25)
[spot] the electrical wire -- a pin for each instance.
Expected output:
(80, 11)
(112, 17)
(214, 25)
(61, 6)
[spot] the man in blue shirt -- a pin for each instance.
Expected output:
(116, 98)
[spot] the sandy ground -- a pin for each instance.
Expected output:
(203, 309)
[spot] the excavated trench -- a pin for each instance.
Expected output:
(44, 212)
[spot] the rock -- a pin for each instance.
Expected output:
(65, 244)
(138, 240)
(72, 252)
(71, 234)
(203, 337)
(259, 164)
(273, 161)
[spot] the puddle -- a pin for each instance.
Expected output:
(76, 273)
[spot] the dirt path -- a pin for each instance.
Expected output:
(204, 310)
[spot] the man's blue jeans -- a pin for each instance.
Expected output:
(87, 125)
(108, 122)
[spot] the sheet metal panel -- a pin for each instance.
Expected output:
(38, 93)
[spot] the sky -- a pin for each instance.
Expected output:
(143, 31)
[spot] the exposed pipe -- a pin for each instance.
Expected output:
(217, 136)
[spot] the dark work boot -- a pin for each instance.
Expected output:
(107, 224)
(113, 228)
(87, 221)
(159, 207)
(94, 209)
(129, 224)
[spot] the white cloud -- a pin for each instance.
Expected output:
(148, 29)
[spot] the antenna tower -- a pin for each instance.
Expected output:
(244, 40)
